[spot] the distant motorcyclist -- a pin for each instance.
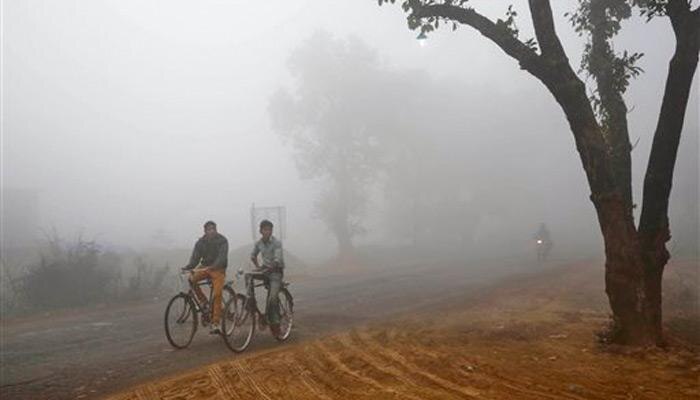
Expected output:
(543, 242)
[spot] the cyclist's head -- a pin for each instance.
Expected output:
(210, 228)
(266, 228)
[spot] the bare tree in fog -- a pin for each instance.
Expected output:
(635, 255)
(328, 119)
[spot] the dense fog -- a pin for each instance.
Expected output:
(131, 123)
(439, 238)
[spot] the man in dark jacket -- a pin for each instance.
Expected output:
(211, 250)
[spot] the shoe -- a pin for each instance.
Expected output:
(275, 330)
(215, 329)
(262, 322)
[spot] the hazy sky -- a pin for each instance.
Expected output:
(133, 116)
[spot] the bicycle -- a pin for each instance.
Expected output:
(241, 313)
(184, 312)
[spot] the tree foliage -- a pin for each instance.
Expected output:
(332, 126)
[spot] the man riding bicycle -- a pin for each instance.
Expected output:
(211, 250)
(270, 250)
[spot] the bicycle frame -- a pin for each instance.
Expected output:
(250, 285)
(191, 294)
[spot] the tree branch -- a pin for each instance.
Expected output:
(547, 38)
(526, 57)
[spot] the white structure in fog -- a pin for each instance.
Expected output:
(277, 215)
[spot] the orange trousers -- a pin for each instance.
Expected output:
(218, 278)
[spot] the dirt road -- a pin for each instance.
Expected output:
(91, 352)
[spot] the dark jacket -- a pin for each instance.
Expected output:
(211, 252)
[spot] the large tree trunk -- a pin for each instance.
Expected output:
(654, 230)
(624, 267)
(625, 278)
(634, 259)
(624, 275)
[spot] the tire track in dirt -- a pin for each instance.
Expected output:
(145, 394)
(201, 387)
(448, 354)
(403, 384)
(248, 377)
(302, 373)
(217, 376)
(412, 377)
(520, 390)
(320, 371)
(524, 387)
(395, 358)
(339, 364)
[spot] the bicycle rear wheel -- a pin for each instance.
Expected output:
(180, 321)
(286, 315)
(238, 324)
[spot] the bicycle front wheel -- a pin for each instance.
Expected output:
(180, 321)
(286, 315)
(238, 323)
